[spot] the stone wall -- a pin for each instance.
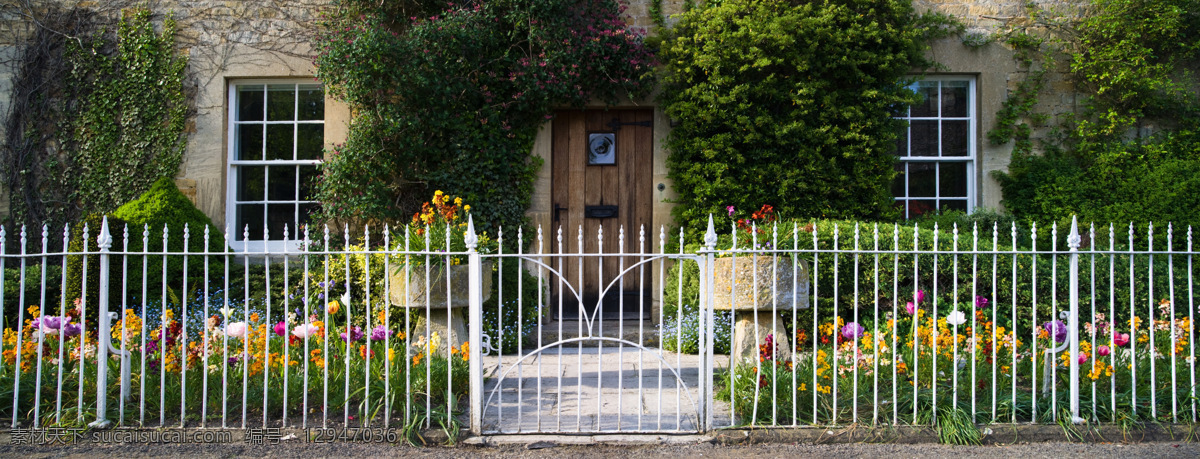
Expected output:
(224, 41)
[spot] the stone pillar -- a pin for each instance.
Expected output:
(756, 317)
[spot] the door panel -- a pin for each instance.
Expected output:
(578, 185)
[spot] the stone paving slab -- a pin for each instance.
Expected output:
(595, 390)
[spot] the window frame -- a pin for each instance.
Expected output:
(255, 243)
(970, 159)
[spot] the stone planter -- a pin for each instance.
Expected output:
(754, 319)
(444, 319)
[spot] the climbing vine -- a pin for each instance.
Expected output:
(449, 96)
(98, 115)
(1129, 153)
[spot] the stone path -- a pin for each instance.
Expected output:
(595, 389)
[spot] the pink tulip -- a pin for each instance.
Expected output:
(1102, 351)
(281, 329)
(910, 308)
(920, 296)
(1083, 358)
(1120, 339)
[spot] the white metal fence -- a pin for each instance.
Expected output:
(823, 324)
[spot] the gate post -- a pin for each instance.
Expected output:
(475, 322)
(1073, 241)
(707, 326)
(104, 242)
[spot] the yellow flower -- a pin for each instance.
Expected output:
(34, 310)
(458, 201)
(333, 307)
(254, 317)
(466, 208)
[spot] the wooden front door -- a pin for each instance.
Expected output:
(602, 164)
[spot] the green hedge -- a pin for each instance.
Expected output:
(162, 206)
(1024, 262)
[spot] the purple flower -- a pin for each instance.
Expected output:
(71, 329)
(356, 334)
(50, 324)
(853, 330)
(1057, 329)
(234, 360)
(730, 209)
(380, 333)
(981, 302)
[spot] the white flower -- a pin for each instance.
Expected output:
(956, 318)
(227, 311)
(236, 329)
(346, 299)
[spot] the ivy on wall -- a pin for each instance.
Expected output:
(98, 115)
(1132, 153)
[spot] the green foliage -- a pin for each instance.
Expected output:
(795, 95)
(161, 208)
(114, 126)
(1130, 155)
(450, 97)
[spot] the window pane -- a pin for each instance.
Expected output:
(921, 207)
(924, 138)
(249, 142)
(312, 102)
(954, 99)
(250, 103)
(954, 138)
(282, 183)
(279, 141)
(953, 180)
(250, 215)
(307, 175)
(310, 140)
(279, 215)
(902, 143)
(306, 213)
(281, 102)
(250, 183)
(898, 182)
(922, 179)
(928, 106)
(953, 204)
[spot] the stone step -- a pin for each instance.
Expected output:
(628, 331)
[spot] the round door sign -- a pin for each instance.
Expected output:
(602, 148)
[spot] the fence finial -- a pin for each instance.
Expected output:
(1073, 240)
(470, 238)
(104, 240)
(710, 237)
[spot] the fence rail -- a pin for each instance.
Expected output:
(824, 324)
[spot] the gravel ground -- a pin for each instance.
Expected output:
(1027, 450)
